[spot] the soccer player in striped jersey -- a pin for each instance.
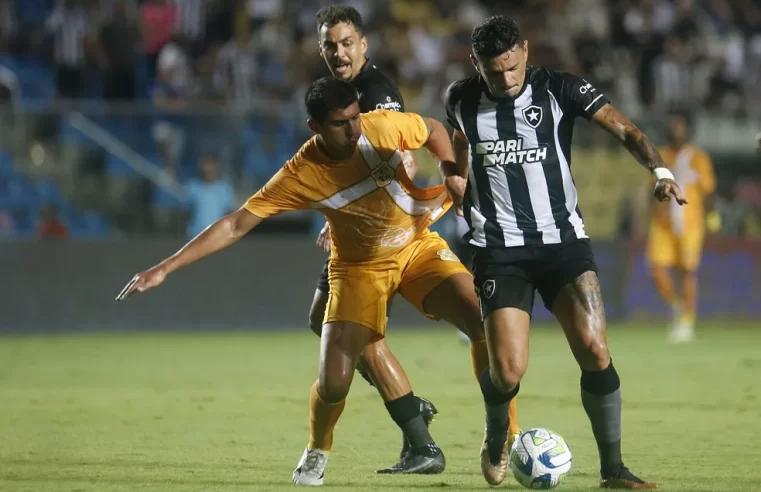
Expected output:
(513, 128)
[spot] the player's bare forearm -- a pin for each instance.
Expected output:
(438, 141)
(217, 236)
(635, 141)
(455, 173)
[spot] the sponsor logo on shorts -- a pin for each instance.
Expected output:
(447, 255)
(489, 287)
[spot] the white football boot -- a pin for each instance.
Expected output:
(311, 467)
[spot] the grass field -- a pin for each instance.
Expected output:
(229, 411)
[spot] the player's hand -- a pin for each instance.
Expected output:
(666, 188)
(323, 239)
(458, 211)
(142, 282)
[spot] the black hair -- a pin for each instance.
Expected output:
(335, 14)
(494, 36)
(328, 94)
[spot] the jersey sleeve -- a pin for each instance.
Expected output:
(413, 132)
(282, 193)
(381, 96)
(579, 97)
(451, 98)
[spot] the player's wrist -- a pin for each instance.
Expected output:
(663, 173)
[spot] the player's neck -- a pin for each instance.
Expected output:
(331, 154)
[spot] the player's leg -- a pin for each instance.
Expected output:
(690, 250)
(440, 287)
(455, 301)
(317, 312)
(341, 344)
(661, 253)
(411, 413)
(572, 291)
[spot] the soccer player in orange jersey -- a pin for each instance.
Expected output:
(675, 240)
(351, 172)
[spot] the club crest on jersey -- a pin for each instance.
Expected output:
(532, 115)
(447, 255)
(490, 286)
(383, 174)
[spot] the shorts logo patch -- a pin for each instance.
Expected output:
(490, 286)
(383, 174)
(447, 255)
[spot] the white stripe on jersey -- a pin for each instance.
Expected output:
(486, 125)
(478, 220)
(534, 171)
(571, 199)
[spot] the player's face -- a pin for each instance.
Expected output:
(504, 75)
(340, 131)
(343, 49)
(677, 131)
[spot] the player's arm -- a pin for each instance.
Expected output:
(643, 150)
(217, 236)
(282, 193)
(439, 145)
(455, 173)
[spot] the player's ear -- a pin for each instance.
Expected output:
(313, 125)
(474, 61)
(525, 50)
(363, 44)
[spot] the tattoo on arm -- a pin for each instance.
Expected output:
(635, 141)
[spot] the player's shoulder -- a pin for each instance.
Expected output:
(382, 118)
(551, 78)
(459, 88)
(376, 90)
(307, 156)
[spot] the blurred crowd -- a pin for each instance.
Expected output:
(652, 53)
(230, 58)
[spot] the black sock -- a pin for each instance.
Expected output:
(496, 402)
(601, 397)
(406, 413)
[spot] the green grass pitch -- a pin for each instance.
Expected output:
(229, 411)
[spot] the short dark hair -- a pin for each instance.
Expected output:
(335, 14)
(328, 94)
(494, 36)
(683, 113)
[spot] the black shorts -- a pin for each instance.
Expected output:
(507, 277)
(323, 285)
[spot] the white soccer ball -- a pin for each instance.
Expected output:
(540, 459)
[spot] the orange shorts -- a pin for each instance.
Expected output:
(667, 249)
(360, 291)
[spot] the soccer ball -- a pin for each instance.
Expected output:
(540, 459)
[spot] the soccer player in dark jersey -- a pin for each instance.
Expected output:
(513, 127)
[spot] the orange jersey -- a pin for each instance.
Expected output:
(372, 206)
(693, 172)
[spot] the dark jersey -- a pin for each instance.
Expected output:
(520, 190)
(376, 90)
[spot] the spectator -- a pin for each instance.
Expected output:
(68, 25)
(673, 76)
(210, 197)
(158, 18)
(50, 226)
(191, 23)
(175, 89)
(119, 43)
(235, 71)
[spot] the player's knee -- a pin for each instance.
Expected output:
(507, 375)
(596, 356)
(335, 388)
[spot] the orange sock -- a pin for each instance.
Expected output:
(512, 412)
(322, 420)
(479, 357)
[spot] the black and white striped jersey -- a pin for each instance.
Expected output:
(520, 190)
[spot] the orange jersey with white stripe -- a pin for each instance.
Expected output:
(693, 172)
(372, 206)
